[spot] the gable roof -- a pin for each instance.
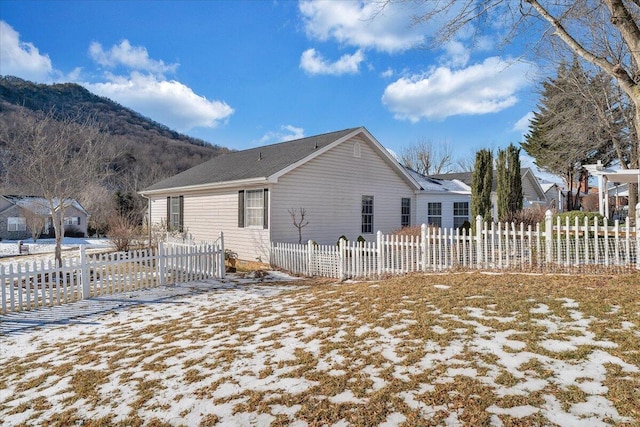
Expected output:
(466, 177)
(438, 185)
(40, 205)
(264, 163)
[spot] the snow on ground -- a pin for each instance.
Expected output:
(243, 352)
(9, 248)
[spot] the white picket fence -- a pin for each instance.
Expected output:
(31, 285)
(549, 247)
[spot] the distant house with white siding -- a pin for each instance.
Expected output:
(441, 202)
(346, 181)
(532, 192)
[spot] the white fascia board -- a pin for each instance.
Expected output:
(209, 186)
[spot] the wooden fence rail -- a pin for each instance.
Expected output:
(30, 285)
(547, 247)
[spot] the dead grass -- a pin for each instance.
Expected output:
(426, 349)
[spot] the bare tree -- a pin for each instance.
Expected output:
(427, 158)
(35, 220)
(299, 223)
(604, 33)
(53, 157)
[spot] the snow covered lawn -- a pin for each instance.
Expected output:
(456, 349)
(47, 246)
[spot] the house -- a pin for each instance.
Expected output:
(441, 202)
(346, 182)
(532, 192)
(555, 195)
(18, 214)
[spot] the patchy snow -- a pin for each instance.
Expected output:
(207, 368)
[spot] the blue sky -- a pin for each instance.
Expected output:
(247, 73)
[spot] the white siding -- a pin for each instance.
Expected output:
(447, 201)
(330, 189)
(207, 213)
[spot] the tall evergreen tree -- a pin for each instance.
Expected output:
(502, 180)
(481, 182)
(580, 119)
(509, 181)
(515, 179)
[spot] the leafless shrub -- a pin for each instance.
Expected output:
(123, 231)
(528, 216)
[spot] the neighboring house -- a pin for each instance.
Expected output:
(532, 192)
(555, 195)
(16, 213)
(441, 202)
(346, 181)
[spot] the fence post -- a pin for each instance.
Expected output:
(637, 236)
(161, 271)
(379, 252)
(310, 256)
(548, 236)
(221, 267)
(84, 273)
(423, 246)
(479, 254)
(341, 259)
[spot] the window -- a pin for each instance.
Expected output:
(175, 213)
(72, 220)
(367, 214)
(16, 224)
(405, 212)
(253, 208)
(460, 213)
(434, 213)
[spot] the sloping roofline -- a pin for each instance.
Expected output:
(267, 164)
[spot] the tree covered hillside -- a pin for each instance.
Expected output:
(140, 151)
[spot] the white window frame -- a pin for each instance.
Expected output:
(459, 217)
(72, 220)
(367, 215)
(174, 213)
(405, 212)
(254, 208)
(437, 215)
(16, 223)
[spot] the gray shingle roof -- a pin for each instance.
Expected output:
(260, 162)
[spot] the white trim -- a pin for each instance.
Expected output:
(209, 186)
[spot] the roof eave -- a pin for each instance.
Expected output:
(209, 186)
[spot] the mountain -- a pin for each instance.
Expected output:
(149, 150)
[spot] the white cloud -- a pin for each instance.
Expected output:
(286, 133)
(483, 88)
(522, 125)
(22, 59)
(168, 102)
(363, 24)
(314, 63)
(457, 55)
(388, 73)
(131, 57)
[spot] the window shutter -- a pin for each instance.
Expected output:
(266, 209)
(241, 209)
(181, 214)
(168, 213)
